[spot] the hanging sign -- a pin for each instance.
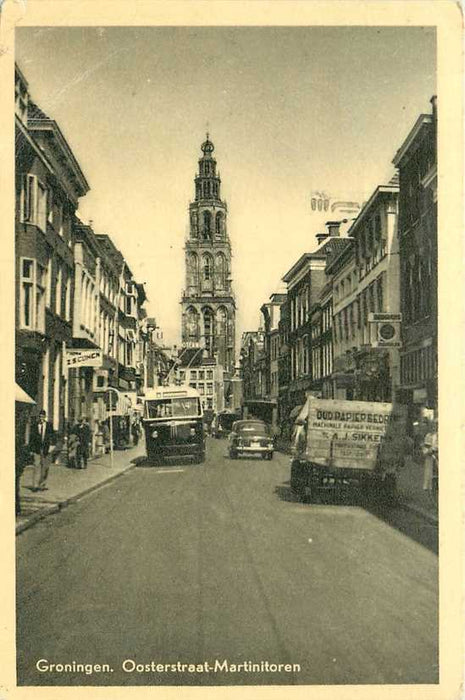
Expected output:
(85, 357)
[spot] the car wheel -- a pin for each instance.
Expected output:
(270, 456)
(232, 454)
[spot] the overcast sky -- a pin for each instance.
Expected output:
(290, 110)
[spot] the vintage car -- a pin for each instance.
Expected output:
(249, 437)
(223, 423)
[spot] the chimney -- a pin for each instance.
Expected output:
(320, 237)
(333, 228)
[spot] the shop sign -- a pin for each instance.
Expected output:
(354, 434)
(382, 316)
(83, 358)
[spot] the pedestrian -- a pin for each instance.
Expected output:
(73, 449)
(106, 436)
(429, 450)
(83, 433)
(135, 429)
(99, 443)
(40, 442)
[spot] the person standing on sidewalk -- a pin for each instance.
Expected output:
(42, 438)
(84, 435)
(430, 455)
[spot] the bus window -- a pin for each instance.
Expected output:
(173, 408)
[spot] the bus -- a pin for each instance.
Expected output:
(173, 423)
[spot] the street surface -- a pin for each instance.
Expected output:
(220, 564)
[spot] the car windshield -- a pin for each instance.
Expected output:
(255, 427)
(173, 408)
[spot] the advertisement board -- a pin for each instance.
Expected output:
(355, 434)
(85, 357)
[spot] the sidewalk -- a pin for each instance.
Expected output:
(67, 485)
(410, 487)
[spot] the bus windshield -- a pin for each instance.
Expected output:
(172, 408)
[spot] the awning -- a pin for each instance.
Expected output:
(22, 397)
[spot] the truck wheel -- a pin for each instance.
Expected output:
(308, 496)
(296, 476)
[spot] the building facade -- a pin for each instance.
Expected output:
(416, 161)
(365, 281)
(205, 375)
(208, 304)
(49, 184)
(305, 282)
(86, 324)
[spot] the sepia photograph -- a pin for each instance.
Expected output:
(227, 395)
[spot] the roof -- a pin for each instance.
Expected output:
(112, 252)
(380, 191)
(422, 121)
(278, 297)
(306, 257)
(37, 120)
(34, 112)
(345, 252)
(87, 233)
(334, 247)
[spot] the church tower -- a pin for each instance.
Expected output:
(208, 304)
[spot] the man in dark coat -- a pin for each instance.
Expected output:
(82, 430)
(41, 439)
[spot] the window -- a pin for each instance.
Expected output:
(41, 275)
(219, 224)
(209, 374)
(379, 293)
(32, 295)
(68, 298)
(48, 284)
(29, 196)
(371, 297)
(201, 389)
(193, 374)
(58, 289)
(209, 330)
(207, 225)
(202, 374)
(207, 268)
(34, 209)
(182, 375)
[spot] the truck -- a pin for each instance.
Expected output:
(347, 446)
